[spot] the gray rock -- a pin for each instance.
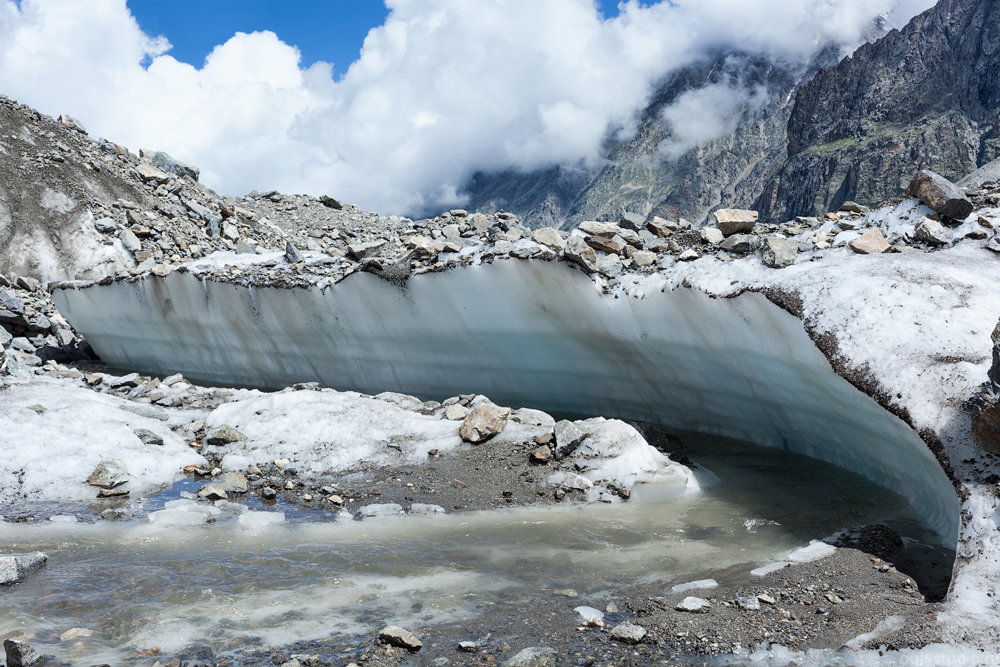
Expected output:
(397, 636)
(148, 437)
(10, 303)
(688, 255)
(72, 123)
(15, 567)
(749, 602)
(778, 253)
(232, 482)
(292, 254)
(454, 412)
(105, 225)
(535, 656)
(738, 243)
(365, 250)
(108, 474)
(870, 243)
(607, 229)
(694, 605)
(150, 173)
(643, 258)
(940, 194)
(632, 221)
(930, 231)
(380, 510)
(994, 243)
(212, 492)
(163, 161)
(568, 438)
(5, 336)
(64, 337)
(224, 435)
(330, 202)
(661, 228)
(577, 250)
(610, 266)
(628, 633)
(484, 422)
(549, 237)
(854, 207)
(731, 221)
(21, 654)
(148, 411)
(30, 284)
(129, 380)
(424, 509)
(711, 235)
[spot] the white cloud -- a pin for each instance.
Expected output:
(444, 88)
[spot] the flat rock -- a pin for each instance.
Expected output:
(605, 244)
(108, 474)
(535, 656)
(224, 435)
(15, 567)
(938, 193)
(628, 633)
(731, 221)
(694, 605)
(608, 229)
(484, 422)
(872, 242)
(397, 636)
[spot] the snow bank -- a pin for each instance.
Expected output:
(54, 435)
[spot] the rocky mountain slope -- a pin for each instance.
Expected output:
(922, 97)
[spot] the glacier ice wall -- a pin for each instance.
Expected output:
(525, 333)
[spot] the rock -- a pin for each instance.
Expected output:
(568, 437)
(870, 243)
(688, 255)
(628, 633)
(425, 509)
(468, 647)
(21, 654)
(212, 492)
(535, 656)
(130, 241)
(541, 455)
(365, 250)
(76, 633)
(108, 474)
(150, 173)
(643, 258)
(632, 221)
(549, 237)
(224, 435)
(15, 567)
(694, 605)
(577, 250)
(854, 207)
(940, 194)
(30, 284)
(162, 161)
(454, 412)
(594, 228)
(330, 202)
(930, 231)
(292, 254)
(484, 422)
(610, 265)
(71, 123)
(730, 221)
(749, 602)
(738, 243)
(778, 253)
(993, 245)
(397, 636)
(660, 227)
(711, 235)
(148, 437)
(380, 510)
(223, 485)
(766, 599)
(605, 244)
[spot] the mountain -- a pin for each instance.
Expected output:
(925, 96)
(654, 173)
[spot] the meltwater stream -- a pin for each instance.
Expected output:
(226, 586)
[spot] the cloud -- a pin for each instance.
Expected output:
(443, 89)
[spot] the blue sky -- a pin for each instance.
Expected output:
(327, 30)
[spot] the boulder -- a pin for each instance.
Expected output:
(396, 636)
(778, 253)
(689, 255)
(15, 567)
(224, 435)
(711, 235)
(484, 422)
(108, 474)
(164, 162)
(549, 237)
(731, 221)
(662, 228)
(330, 202)
(21, 654)
(870, 243)
(608, 229)
(568, 437)
(628, 633)
(578, 251)
(643, 258)
(364, 250)
(694, 605)
(930, 231)
(632, 221)
(150, 173)
(738, 243)
(938, 193)
(605, 244)
(292, 254)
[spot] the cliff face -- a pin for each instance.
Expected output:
(926, 96)
(639, 175)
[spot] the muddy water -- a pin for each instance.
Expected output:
(251, 581)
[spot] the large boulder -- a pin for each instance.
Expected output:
(940, 194)
(778, 253)
(484, 422)
(578, 251)
(731, 221)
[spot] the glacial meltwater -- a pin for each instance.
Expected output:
(246, 580)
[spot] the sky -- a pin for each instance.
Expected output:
(395, 105)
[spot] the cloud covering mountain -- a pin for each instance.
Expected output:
(443, 89)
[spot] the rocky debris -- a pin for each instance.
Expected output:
(224, 435)
(872, 242)
(731, 221)
(108, 474)
(22, 654)
(535, 656)
(940, 194)
(396, 636)
(694, 605)
(778, 253)
(15, 567)
(628, 633)
(483, 422)
(930, 231)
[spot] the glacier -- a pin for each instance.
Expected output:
(526, 332)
